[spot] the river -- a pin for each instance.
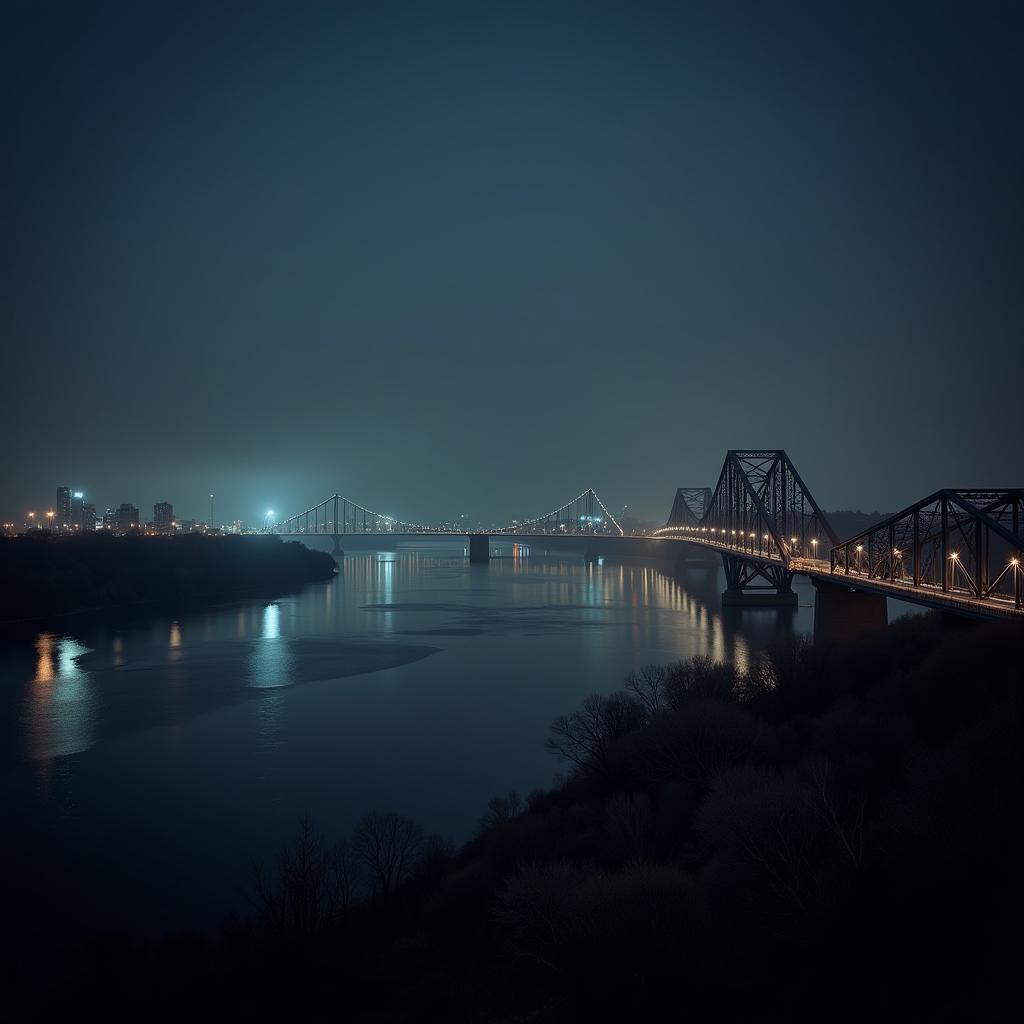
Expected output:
(147, 762)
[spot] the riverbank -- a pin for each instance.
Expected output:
(54, 576)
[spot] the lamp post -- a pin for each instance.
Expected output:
(211, 511)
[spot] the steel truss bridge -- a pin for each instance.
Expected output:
(959, 550)
(956, 550)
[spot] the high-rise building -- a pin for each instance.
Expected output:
(63, 507)
(110, 520)
(88, 517)
(163, 517)
(127, 519)
(75, 522)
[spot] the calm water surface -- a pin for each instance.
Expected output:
(147, 764)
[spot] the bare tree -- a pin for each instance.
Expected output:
(693, 743)
(585, 737)
(759, 680)
(842, 813)
(648, 684)
(501, 809)
(765, 822)
(310, 887)
(388, 846)
(627, 824)
(699, 678)
(537, 907)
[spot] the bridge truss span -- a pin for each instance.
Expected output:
(961, 547)
(763, 520)
(760, 508)
(689, 507)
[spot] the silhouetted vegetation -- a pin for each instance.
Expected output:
(832, 834)
(46, 575)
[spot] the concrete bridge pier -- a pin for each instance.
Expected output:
(841, 613)
(479, 547)
(336, 548)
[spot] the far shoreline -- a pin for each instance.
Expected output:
(60, 578)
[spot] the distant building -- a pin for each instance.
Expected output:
(126, 519)
(77, 514)
(110, 520)
(88, 517)
(63, 507)
(163, 517)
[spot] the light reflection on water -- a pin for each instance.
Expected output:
(271, 661)
(59, 707)
(635, 609)
(174, 643)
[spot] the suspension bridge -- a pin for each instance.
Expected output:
(957, 550)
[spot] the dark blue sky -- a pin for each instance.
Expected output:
(478, 257)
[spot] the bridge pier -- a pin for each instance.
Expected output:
(766, 598)
(776, 590)
(479, 547)
(841, 613)
(336, 548)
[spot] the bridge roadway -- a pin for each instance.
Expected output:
(818, 570)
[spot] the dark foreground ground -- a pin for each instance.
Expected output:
(48, 575)
(833, 836)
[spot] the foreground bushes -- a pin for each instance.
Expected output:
(831, 834)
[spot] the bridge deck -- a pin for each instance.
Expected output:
(955, 599)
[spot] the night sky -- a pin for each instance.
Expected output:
(476, 258)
